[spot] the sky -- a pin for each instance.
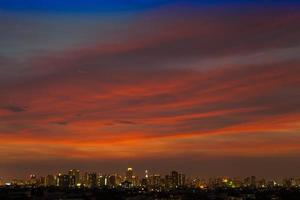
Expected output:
(209, 88)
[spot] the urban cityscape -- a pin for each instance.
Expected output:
(149, 99)
(176, 185)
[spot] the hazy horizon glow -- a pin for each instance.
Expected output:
(162, 84)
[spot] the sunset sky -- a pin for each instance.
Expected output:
(205, 88)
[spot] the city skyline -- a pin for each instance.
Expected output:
(209, 88)
(174, 185)
(149, 181)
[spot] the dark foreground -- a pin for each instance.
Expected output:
(137, 194)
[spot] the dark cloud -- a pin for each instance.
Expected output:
(62, 123)
(15, 108)
(125, 122)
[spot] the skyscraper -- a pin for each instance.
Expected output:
(129, 174)
(253, 181)
(63, 180)
(72, 181)
(42, 181)
(102, 180)
(92, 180)
(50, 180)
(155, 180)
(181, 179)
(146, 174)
(168, 181)
(32, 179)
(175, 178)
(112, 180)
(76, 174)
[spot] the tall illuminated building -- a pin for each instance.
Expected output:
(84, 179)
(63, 180)
(135, 181)
(146, 174)
(253, 181)
(181, 179)
(118, 179)
(92, 180)
(156, 180)
(262, 183)
(112, 181)
(32, 179)
(50, 180)
(102, 180)
(72, 181)
(76, 174)
(129, 174)
(42, 181)
(250, 181)
(175, 178)
(168, 182)
(145, 181)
